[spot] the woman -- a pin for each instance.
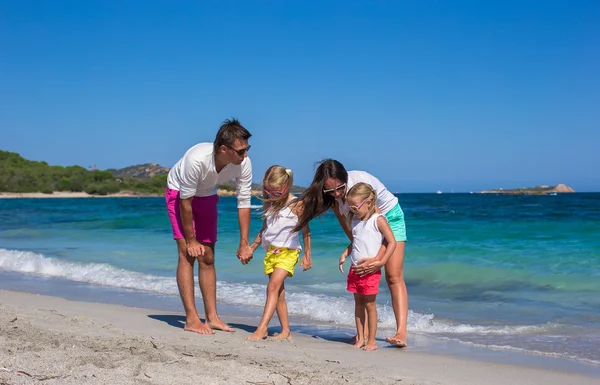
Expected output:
(328, 191)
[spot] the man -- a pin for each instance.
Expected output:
(192, 205)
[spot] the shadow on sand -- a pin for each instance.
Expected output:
(327, 333)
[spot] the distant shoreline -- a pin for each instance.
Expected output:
(121, 194)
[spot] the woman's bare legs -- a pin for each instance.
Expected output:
(394, 276)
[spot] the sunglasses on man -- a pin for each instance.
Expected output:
(241, 151)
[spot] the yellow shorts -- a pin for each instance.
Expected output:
(282, 258)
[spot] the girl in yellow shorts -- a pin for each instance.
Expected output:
(281, 210)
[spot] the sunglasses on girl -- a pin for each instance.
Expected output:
(356, 208)
(332, 191)
(240, 152)
(274, 193)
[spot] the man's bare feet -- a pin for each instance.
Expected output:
(259, 334)
(358, 344)
(370, 347)
(198, 327)
(283, 335)
(219, 325)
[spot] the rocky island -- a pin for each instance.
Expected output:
(538, 190)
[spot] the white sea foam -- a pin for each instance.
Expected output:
(318, 307)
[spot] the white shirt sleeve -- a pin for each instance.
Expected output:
(190, 177)
(244, 184)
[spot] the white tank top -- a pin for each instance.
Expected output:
(279, 230)
(367, 238)
(385, 199)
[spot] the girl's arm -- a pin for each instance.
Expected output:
(297, 207)
(343, 221)
(306, 259)
(372, 264)
(388, 235)
(258, 240)
(344, 256)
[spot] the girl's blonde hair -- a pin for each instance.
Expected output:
(280, 178)
(363, 191)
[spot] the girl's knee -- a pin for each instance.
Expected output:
(274, 287)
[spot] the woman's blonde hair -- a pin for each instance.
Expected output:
(363, 191)
(282, 179)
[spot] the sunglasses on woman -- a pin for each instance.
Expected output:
(274, 193)
(356, 208)
(241, 151)
(332, 191)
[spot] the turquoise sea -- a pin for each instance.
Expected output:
(515, 273)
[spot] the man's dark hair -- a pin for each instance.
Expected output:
(230, 130)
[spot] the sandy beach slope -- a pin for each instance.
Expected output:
(51, 340)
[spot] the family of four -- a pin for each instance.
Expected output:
(368, 213)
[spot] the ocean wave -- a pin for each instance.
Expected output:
(482, 279)
(524, 350)
(317, 307)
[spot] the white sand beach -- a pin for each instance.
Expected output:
(51, 340)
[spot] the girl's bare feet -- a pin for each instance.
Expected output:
(358, 344)
(284, 335)
(370, 347)
(259, 334)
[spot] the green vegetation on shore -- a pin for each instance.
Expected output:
(20, 175)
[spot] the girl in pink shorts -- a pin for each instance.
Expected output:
(369, 230)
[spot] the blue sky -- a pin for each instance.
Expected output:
(425, 95)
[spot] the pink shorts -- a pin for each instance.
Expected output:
(367, 285)
(204, 216)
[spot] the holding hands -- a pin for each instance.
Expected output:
(244, 253)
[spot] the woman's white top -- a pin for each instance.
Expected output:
(279, 230)
(385, 199)
(366, 238)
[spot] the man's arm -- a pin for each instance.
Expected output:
(243, 192)
(244, 252)
(194, 248)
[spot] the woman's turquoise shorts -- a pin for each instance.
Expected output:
(395, 218)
